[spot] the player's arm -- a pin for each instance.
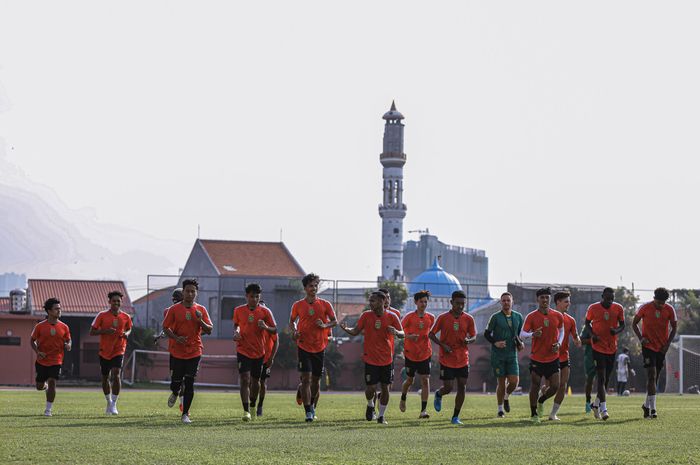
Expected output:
(620, 327)
(594, 338)
(293, 317)
(671, 335)
(127, 333)
(351, 331)
(236, 332)
(268, 323)
(635, 327)
(35, 348)
(471, 333)
(574, 335)
(488, 335)
(397, 330)
(433, 337)
(94, 328)
(275, 347)
(206, 325)
(330, 314)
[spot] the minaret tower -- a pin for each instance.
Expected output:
(392, 210)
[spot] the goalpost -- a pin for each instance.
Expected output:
(153, 366)
(683, 365)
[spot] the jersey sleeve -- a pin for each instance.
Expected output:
(405, 322)
(520, 325)
(295, 313)
(436, 326)
(574, 329)
(620, 313)
(96, 322)
(673, 316)
(527, 326)
(329, 311)
(589, 313)
(269, 318)
(471, 326)
(361, 321)
(397, 323)
(169, 319)
(492, 323)
(129, 323)
(641, 311)
(66, 335)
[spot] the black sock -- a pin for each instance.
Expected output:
(588, 398)
(533, 410)
(456, 413)
(541, 400)
(423, 405)
(403, 397)
(261, 402)
(175, 387)
(307, 408)
(246, 406)
(252, 403)
(187, 402)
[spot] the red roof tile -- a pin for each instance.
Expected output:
(4, 304)
(77, 297)
(242, 258)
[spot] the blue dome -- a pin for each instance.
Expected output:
(439, 282)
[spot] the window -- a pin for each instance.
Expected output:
(396, 230)
(227, 306)
(10, 341)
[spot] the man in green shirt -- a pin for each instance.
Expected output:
(588, 364)
(503, 333)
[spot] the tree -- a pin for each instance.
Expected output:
(629, 302)
(688, 311)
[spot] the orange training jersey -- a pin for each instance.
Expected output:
(252, 343)
(269, 340)
(656, 324)
(453, 330)
(50, 339)
(398, 315)
(312, 338)
(420, 349)
(183, 322)
(569, 330)
(112, 345)
(378, 345)
(602, 320)
(550, 325)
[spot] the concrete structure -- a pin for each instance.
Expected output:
(392, 210)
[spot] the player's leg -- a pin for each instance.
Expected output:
(459, 398)
(264, 375)
(447, 376)
(177, 372)
(315, 389)
(424, 394)
(513, 379)
(600, 370)
(255, 374)
(561, 392)
(588, 389)
(410, 373)
(551, 374)
(383, 402)
(106, 390)
(535, 381)
(371, 380)
(191, 370)
(116, 374)
(305, 372)
(50, 390)
(500, 395)
(245, 392)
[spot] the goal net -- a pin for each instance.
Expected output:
(683, 366)
(152, 366)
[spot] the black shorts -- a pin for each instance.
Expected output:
(448, 373)
(43, 372)
(107, 365)
(311, 362)
(545, 369)
(565, 364)
(653, 359)
(422, 368)
(604, 361)
(181, 367)
(250, 365)
(265, 373)
(379, 374)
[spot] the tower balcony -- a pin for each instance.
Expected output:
(392, 159)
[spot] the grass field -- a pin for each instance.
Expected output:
(146, 431)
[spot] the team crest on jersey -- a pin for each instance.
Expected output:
(546, 323)
(311, 311)
(251, 318)
(188, 316)
(606, 316)
(455, 326)
(658, 314)
(377, 324)
(115, 323)
(53, 331)
(510, 323)
(421, 325)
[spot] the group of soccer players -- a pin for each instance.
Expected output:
(312, 318)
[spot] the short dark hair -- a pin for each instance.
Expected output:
(177, 293)
(114, 294)
(378, 294)
(383, 290)
(561, 295)
(48, 305)
(661, 293)
(507, 293)
(459, 294)
(309, 278)
(253, 288)
(543, 291)
(190, 282)
(608, 290)
(420, 294)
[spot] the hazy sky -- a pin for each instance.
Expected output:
(561, 137)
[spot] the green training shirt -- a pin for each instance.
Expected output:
(505, 328)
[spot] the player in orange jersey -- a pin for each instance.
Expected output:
(379, 328)
(418, 350)
(251, 323)
(606, 319)
(113, 326)
(184, 323)
(272, 344)
(49, 339)
(562, 302)
(657, 318)
(457, 330)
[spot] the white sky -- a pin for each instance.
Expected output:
(561, 137)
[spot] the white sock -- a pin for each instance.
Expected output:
(646, 401)
(555, 409)
(114, 399)
(505, 396)
(108, 397)
(603, 408)
(382, 409)
(652, 402)
(500, 407)
(370, 403)
(49, 405)
(596, 403)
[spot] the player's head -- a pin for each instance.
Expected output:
(177, 295)
(376, 301)
(458, 300)
(543, 297)
(52, 307)
(115, 300)
(506, 301)
(252, 294)
(607, 297)
(310, 283)
(189, 290)
(625, 350)
(421, 299)
(385, 291)
(562, 300)
(661, 295)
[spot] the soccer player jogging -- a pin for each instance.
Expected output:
(418, 350)
(657, 318)
(503, 332)
(49, 339)
(184, 323)
(113, 326)
(546, 328)
(606, 319)
(379, 328)
(456, 330)
(176, 298)
(588, 365)
(623, 369)
(309, 322)
(250, 323)
(562, 302)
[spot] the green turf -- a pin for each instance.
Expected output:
(146, 431)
